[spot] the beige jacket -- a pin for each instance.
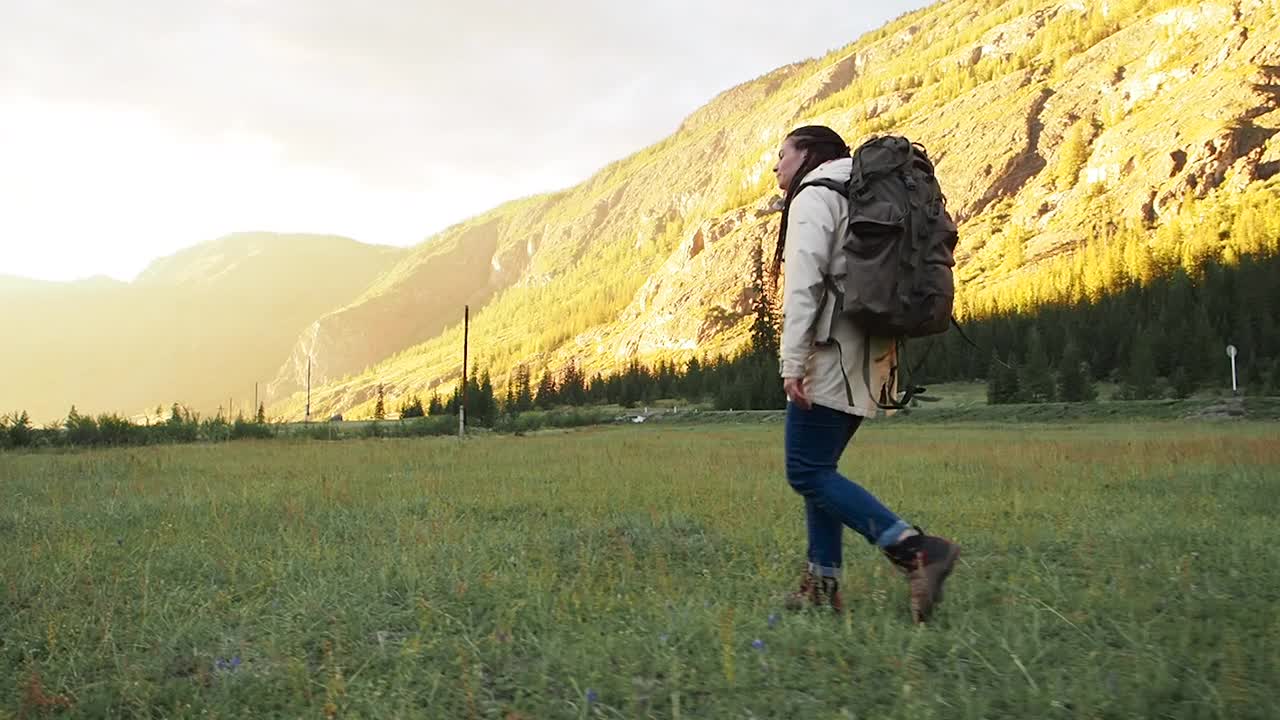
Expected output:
(819, 343)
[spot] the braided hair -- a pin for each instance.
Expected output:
(821, 144)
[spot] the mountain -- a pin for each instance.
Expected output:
(198, 327)
(1052, 124)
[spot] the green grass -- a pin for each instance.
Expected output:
(1110, 570)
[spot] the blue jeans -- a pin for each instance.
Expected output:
(814, 441)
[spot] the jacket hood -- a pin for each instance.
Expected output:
(838, 170)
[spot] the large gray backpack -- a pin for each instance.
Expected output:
(900, 242)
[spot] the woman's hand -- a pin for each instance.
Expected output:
(794, 387)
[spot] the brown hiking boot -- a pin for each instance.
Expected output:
(829, 594)
(926, 560)
(806, 595)
(816, 591)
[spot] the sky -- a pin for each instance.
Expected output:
(130, 130)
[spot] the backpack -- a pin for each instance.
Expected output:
(899, 246)
(900, 242)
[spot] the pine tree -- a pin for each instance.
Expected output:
(1182, 383)
(509, 402)
(261, 419)
(20, 434)
(1140, 379)
(1273, 378)
(487, 405)
(1201, 347)
(691, 383)
(435, 407)
(764, 328)
(598, 389)
(1035, 380)
(1072, 156)
(524, 390)
(547, 395)
(1002, 383)
(81, 429)
(1075, 383)
(573, 389)
(412, 408)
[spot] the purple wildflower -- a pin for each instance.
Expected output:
(592, 697)
(757, 644)
(227, 665)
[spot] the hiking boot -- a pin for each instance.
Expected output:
(806, 595)
(829, 594)
(926, 560)
(816, 591)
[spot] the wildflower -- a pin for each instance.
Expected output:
(773, 619)
(757, 644)
(227, 665)
(592, 697)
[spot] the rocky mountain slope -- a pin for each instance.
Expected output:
(1047, 119)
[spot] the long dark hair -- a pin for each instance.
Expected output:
(822, 144)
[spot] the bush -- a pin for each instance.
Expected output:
(178, 430)
(115, 430)
(323, 431)
(81, 429)
(243, 429)
(432, 426)
(215, 430)
(18, 430)
(412, 409)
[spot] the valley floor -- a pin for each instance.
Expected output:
(1123, 569)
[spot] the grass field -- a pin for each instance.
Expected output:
(1111, 571)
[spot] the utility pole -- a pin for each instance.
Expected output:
(308, 389)
(462, 406)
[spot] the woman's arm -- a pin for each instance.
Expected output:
(810, 227)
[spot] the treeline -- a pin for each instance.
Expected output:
(1165, 337)
(112, 430)
(747, 381)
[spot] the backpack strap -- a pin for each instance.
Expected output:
(883, 402)
(975, 345)
(827, 183)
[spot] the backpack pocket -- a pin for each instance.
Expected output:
(870, 237)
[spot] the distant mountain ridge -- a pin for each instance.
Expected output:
(197, 327)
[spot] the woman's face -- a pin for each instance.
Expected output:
(789, 161)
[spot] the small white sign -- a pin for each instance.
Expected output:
(1231, 353)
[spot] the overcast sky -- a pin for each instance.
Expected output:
(132, 128)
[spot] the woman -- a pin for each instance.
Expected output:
(820, 350)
